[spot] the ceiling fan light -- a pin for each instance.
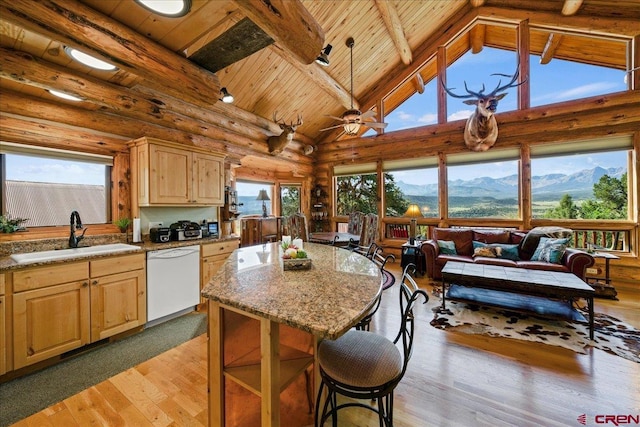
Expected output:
(352, 121)
(351, 128)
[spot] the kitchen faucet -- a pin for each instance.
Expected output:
(75, 224)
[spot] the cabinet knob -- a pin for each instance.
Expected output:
(94, 283)
(85, 284)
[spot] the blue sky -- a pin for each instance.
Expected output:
(554, 82)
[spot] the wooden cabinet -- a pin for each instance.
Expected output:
(212, 256)
(62, 307)
(118, 295)
(260, 230)
(169, 174)
(3, 326)
(50, 311)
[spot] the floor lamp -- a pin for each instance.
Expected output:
(262, 195)
(413, 212)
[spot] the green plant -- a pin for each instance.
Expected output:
(122, 224)
(10, 225)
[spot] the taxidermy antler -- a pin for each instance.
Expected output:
(278, 143)
(481, 130)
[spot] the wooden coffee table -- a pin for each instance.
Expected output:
(539, 283)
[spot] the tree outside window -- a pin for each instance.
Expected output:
(356, 193)
(289, 199)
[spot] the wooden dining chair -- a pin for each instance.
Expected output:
(366, 366)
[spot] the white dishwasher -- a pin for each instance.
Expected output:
(173, 282)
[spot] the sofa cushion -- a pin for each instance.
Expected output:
(447, 247)
(550, 250)
(461, 237)
(541, 265)
(495, 261)
(491, 236)
(487, 251)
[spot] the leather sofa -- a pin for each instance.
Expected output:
(572, 260)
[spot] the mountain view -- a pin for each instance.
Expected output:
(546, 187)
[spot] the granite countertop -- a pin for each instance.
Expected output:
(7, 264)
(326, 300)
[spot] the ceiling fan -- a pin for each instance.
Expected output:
(353, 118)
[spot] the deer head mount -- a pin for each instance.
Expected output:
(481, 130)
(278, 143)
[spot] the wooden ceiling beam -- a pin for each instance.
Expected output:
(289, 24)
(477, 36)
(418, 83)
(570, 7)
(391, 19)
(81, 27)
(549, 51)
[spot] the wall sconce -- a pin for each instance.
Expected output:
(227, 98)
(413, 212)
(323, 58)
(262, 195)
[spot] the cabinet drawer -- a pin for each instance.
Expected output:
(117, 264)
(39, 277)
(219, 248)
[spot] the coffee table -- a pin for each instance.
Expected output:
(540, 283)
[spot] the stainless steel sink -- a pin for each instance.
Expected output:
(71, 253)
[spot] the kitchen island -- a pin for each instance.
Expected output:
(265, 324)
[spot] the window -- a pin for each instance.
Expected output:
(248, 194)
(45, 186)
(582, 180)
(405, 183)
(483, 185)
(356, 188)
(420, 109)
(289, 199)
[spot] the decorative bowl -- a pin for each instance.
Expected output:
(296, 263)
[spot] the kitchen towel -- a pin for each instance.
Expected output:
(137, 236)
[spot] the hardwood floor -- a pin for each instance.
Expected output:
(453, 379)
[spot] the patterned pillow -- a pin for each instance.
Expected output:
(550, 250)
(487, 251)
(447, 247)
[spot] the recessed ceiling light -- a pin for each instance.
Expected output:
(170, 8)
(64, 95)
(89, 60)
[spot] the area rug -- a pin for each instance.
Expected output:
(610, 334)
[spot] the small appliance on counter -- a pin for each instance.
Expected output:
(185, 230)
(160, 234)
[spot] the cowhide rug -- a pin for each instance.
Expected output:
(610, 334)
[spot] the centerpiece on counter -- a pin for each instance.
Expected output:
(293, 255)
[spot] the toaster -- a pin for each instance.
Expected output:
(160, 234)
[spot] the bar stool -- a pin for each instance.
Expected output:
(364, 365)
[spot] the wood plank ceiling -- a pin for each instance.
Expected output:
(388, 54)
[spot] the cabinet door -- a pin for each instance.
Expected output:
(213, 257)
(208, 179)
(3, 331)
(118, 303)
(49, 321)
(170, 175)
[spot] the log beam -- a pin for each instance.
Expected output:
(389, 15)
(81, 27)
(477, 35)
(289, 24)
(549, 51)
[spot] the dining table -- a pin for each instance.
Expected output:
(265, 323)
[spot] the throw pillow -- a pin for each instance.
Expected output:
(550, 250)
(447, 247)
(508, 251)
(487, 251)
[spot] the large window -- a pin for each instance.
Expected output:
(289, 199)
(406, 184)
(590, 182)
(248, 195)
(483, 185)
(45, 186)
(356, 188)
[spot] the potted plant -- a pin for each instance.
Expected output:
(122, 224)
(10, 225)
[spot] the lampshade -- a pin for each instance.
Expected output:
(227, 98)
(323, 58)
(413, 212)
(262, 195)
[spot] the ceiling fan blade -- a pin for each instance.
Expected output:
(375, 125)
(367, 114)
(331, 127)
